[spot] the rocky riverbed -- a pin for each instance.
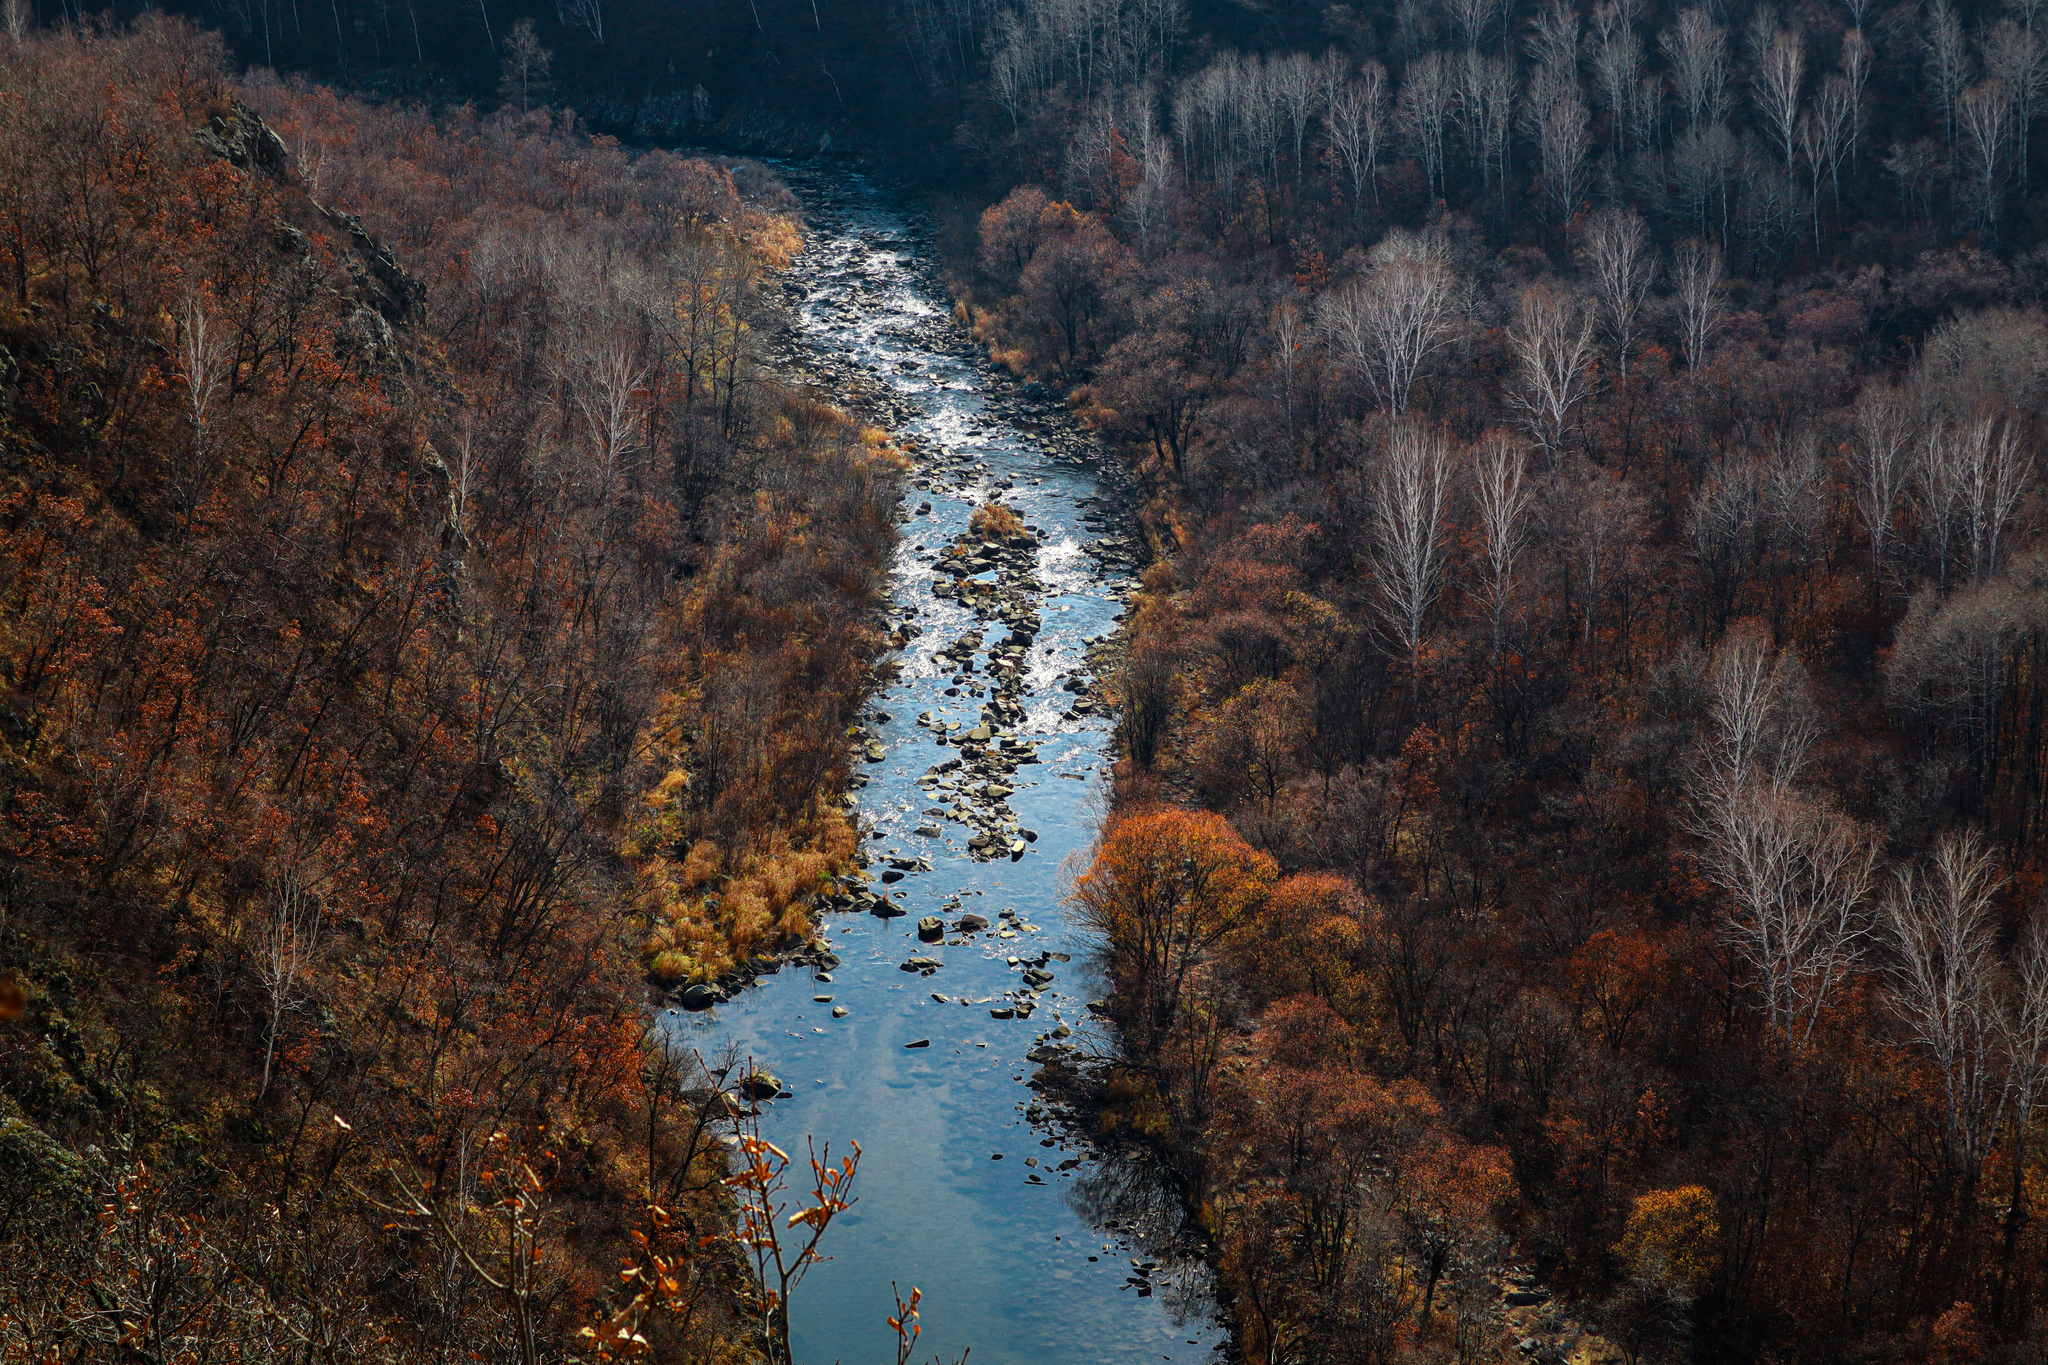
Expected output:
(946, 1000)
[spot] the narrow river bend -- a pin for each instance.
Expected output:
(1033, 1245)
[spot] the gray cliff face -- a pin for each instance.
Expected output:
(385, 293)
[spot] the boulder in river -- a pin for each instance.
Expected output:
(882, 909)
(926, 965)
(931, 929)
(972, 923)
(699, 997)
(760, 1085)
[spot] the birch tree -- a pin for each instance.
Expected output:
(1388, 326)
(1355, 124)
(1405, 532)
(203, 356)
(286, 947)
(1880, 462)
(1799, 876)
(2018, 60)
(1696, 277)
(1617, 253)
(1946, 60)
(1552, 344)
(1503, 494)
(1940, 926)
(1780, 74)
(1563, 144)
(1423, 111)
(1697, 50)
(1994, 470)
(1984, 114)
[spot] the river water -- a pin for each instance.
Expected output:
(1033, 1243)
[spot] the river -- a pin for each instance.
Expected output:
(1033, 1243)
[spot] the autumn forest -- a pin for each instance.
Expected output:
(1578, 834)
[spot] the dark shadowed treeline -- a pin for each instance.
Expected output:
(405, 617)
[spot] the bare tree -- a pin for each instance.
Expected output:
(1547, 87)
(607, 381)
(1487, 106)
(1618, 71)
(1776, 86)
(1835, 116)
(1880, 464)
(1799, 878)
(1296, 80)
(1405, 532)
(1552, 342)
(1564, 145)
(1503, 494)
(1009, 80)
(1995, 469)
(1946, 59)
(1696, 277)
(1985, 115)
(1423, 111)
(584, 14)
(287, 943)
(17, 17)
(1697, 49)
(1944, 986)
(1617, 252)
(1938, 489)
(1760, 724)
(1856, 60)
(2018, 60)
(1970, 478)
(1355, 124)
(203, 362)
(1554, 36)
(1391, 324)
(1151, 200)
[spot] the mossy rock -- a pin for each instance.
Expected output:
(35, 1168)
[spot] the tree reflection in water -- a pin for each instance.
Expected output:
(1127, 1195)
